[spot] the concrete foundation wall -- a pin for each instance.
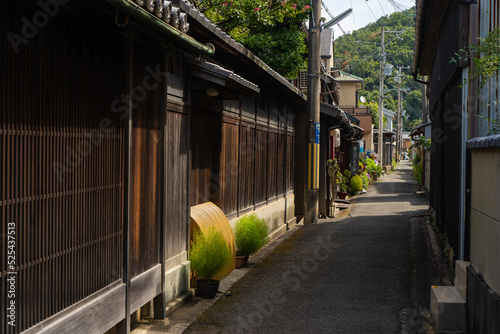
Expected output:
(485, 215)
(177, 277)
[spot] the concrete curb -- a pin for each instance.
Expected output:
(187, 311)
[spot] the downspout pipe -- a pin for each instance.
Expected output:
(420, 81)
(162, 27)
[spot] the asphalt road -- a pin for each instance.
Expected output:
(366, 273)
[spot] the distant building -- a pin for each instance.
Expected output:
(349, 86)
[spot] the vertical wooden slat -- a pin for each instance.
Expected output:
(69, 230)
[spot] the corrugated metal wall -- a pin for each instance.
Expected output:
(489, 20)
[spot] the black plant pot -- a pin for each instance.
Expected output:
(207, 289)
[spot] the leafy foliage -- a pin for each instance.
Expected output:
(424, 142)
(372, 167)
(332, 167)
(486, 57)
(359, 53)
(417, 167)
(271, 29)
(251, 233)
(343, 181)
(365, 178)
(209, 253)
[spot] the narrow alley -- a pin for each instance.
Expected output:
(354, 275)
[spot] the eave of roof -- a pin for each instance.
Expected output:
(428, 21)
(228, 74)
(152, 22)
(348, 77)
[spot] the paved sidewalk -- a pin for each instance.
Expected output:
(366, 273)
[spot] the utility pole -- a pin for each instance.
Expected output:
(313, 120)
(399, 127)
(381, 101)
(398, 135)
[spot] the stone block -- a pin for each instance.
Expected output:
(447, 309)
(177, 281)
(461, 277)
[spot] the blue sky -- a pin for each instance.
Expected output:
(362, 12)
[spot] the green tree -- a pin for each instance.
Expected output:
(359, 53)
(271, 29)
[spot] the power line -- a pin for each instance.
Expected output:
(376, 18)
(383, 11)
(354, 19)
(399, 8)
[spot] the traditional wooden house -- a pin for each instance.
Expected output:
(114, 122)
(464, 164)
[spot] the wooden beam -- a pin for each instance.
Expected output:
(95, 314)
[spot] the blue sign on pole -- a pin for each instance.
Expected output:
(316, 139)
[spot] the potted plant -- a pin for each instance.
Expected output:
(209, 254)
(250, 234)
(342, 182)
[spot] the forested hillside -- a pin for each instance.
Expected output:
(359, 53)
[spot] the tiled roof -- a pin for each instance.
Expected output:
(484, 142)
(228, 74)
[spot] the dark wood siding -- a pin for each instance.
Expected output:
(272, 157)
(289, 162)
(445, 171)
(229, 167)
(61, 163)
(280, 164)
(145, 163)
(254, 150)
(261, 166)
(247, 166)
(205, 151)
(445, 104)
(300, 166)
(176, 173)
